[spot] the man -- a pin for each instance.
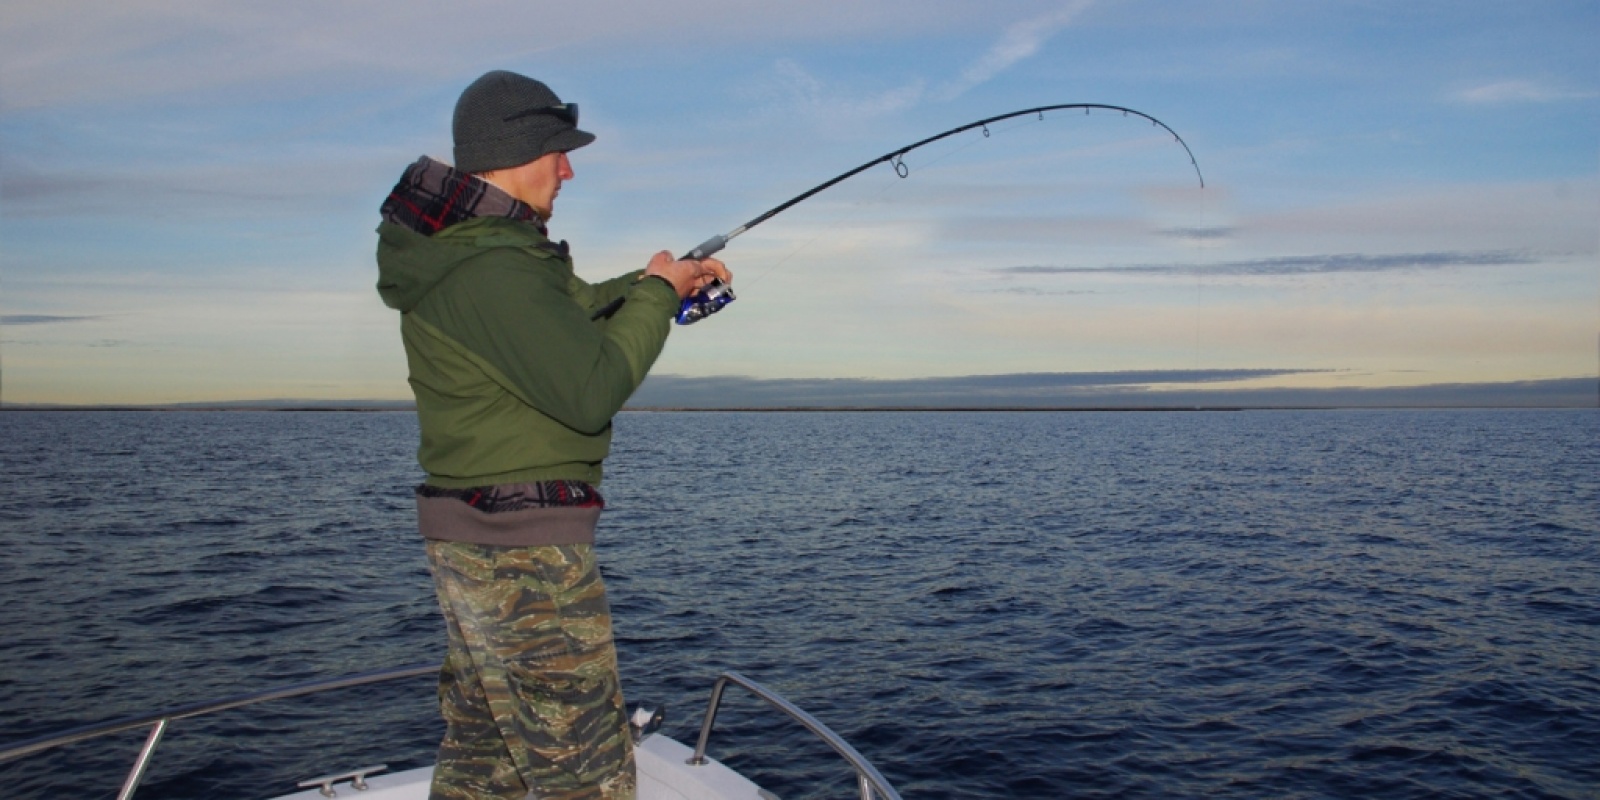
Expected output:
(518, 367)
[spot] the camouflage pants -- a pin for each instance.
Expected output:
(529, 689)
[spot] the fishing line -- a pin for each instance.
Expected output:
(1207, 230)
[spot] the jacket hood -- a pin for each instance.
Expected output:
(435, 218)
(410, 264)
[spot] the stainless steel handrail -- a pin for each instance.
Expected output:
(867, 776)
(159, 720)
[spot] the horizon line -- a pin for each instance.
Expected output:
(383, 407)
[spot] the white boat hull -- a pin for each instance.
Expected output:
(663, 768)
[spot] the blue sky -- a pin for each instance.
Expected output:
(1398, 194)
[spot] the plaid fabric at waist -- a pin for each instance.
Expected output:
(520, 496)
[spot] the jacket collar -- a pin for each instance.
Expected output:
(432, 196)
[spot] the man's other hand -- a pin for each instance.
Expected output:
(687, 277)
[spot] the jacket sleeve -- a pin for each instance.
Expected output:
(606, 291)
(516, 314)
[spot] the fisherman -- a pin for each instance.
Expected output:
(518, 366)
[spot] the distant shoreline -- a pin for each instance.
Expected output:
(819, 409)
(1041, 392)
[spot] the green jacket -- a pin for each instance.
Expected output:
(514, 382)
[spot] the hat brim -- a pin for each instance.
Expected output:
(567, 141)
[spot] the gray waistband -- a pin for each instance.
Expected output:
(451, 520)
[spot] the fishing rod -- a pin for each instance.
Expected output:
(710, 299)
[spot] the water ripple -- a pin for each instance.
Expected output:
(1250, 605)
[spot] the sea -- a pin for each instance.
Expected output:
(1223, 604)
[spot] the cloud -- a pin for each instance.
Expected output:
(209, 189)
(1297, 265)
(800, 87)
(42, 319)
(1034, 291)
(1516, 91)
(1548, 216)
(1214, 234)
(1020, 41)
(72, 52)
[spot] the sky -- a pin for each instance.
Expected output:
(1397, 195)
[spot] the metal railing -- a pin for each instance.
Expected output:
(867, 777)
(158, 721)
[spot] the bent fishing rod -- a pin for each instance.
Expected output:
(710, 299)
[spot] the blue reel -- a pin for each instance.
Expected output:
(705, 302)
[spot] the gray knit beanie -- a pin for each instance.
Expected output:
(506, 120)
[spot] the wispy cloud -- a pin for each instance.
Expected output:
(1201, 235)
(1297, 265)
(42, 319)
(1020, 41)
(71, 52)
(1034, 291)
(799, 86)
(1517, 91)
(245, 190)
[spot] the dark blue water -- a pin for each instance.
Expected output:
(1260, 604)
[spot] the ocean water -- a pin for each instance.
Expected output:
(1385, 604)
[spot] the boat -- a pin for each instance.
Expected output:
(667, 769)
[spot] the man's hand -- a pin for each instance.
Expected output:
(687, 277)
